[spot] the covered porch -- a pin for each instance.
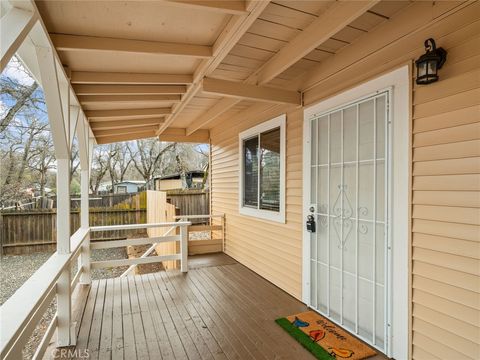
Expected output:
(210, 71)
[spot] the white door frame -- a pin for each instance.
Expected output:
(398, 81)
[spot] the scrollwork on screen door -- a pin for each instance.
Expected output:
(343, 214)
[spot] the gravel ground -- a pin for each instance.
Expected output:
(16, 269)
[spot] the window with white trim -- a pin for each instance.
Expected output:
(262, 170)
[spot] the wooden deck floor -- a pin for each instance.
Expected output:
(218, 310)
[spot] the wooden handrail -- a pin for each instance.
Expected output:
(199, 216)
(20, 310)
(139, 226)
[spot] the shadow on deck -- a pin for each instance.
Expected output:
(218, 310)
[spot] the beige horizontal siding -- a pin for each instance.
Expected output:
(446, 207)
(271, 249)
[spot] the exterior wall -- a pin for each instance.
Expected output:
(271, 249)
(445, 175)
(164, 185)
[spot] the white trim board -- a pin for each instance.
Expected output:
(398, 80)
(279, 121)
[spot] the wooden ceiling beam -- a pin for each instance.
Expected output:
(129, 89)
(95, 99)
(92, 77)
(123, 131)
(122, 124)
(126, 137)
(170, 135)
(63, 42)
(231, 34)
(337, 16)
(212, 113)
(227, 7)
(180, 135)
(105, 115)
(334, 19)
(240, 90)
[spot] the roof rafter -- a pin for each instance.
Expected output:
(180, 135)
(122, 131)
(118, 124)
(126, 137)
(232, 7)
(65, 42)
(253, 92)
(233, 31)
(129, 89)
(92, 77)
(99, 115)
(94, 99)
(337, 16)
(334, 19)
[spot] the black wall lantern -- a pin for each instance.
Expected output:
(429, 63)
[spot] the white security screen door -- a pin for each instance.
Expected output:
(349, 183)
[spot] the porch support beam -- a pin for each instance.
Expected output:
(122, 124)
(51, 89)
(74, 120)
(95, 99)
(14, 27)
(251, 92)
(91, 77)
(126, 137)
(180, 135)
(58, 107)
(85, 145)
(124, 131)
(103, 115)
(212, 113)
(337, 16)
(231, 34)
(64, 42)
(129, 89)
(227, 7)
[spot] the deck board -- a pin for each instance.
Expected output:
(222, 311)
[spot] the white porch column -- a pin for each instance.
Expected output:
(85, 147)
(53, 98)
(65, 335)
(84, 258)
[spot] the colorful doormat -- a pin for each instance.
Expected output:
(324, 339)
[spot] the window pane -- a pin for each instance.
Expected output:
(270, 170)
(250, 161)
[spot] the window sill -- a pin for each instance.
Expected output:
(278, 217)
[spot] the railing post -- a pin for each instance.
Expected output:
(184, 248)
(84, 258)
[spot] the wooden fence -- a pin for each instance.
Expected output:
(190, 202)
(35, 230)
(26, 231)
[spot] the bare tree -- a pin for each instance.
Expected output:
(123, 160)
(23, 95)
(147, 155)
(98, 170)
(43, 160)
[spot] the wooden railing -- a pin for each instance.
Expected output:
(21, 313)
(182, 238)
(214, 229)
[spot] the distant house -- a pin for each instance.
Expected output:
(191, 180)
(128, 186)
